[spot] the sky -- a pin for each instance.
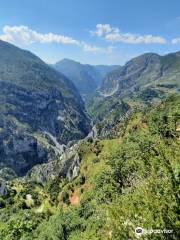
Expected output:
(91, 31)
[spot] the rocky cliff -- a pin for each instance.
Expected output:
(141, 81)
(35, 99)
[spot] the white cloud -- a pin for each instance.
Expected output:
(90, 48)
(175, 40)
(114, 34)
(103, 29)
(94, 49)
(25, 35)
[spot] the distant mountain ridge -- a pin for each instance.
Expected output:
(86, 77)
(146, 70)
(143, 79)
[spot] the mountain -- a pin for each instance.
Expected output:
(145, 78)
(39, 109)
(148, 70)
(123, 174)
(85, 77)
(129, 180)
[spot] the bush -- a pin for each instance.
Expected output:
(65, 197)
(2, 203)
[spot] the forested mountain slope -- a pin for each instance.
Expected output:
(36, 102)
(129, 180)
(144, 79)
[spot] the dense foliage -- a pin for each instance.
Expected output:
(126, 182)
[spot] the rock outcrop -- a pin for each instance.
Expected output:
(3, 188)
(67, 166)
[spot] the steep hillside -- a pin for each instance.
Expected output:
(148, 70)
(144, 79)
(123, 183)
(35, 100)
(85, 77)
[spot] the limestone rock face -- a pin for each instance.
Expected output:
(67, 165)
(146, 79)
(3, 188)
(147, 70)
(39, 109)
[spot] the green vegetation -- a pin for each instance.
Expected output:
(34, 100)
(129, 181)
(100, 108)
(145, 79)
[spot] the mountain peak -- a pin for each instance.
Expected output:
(66, 61)
(86, 77)
(141, 71)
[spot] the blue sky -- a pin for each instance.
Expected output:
(91, 31)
